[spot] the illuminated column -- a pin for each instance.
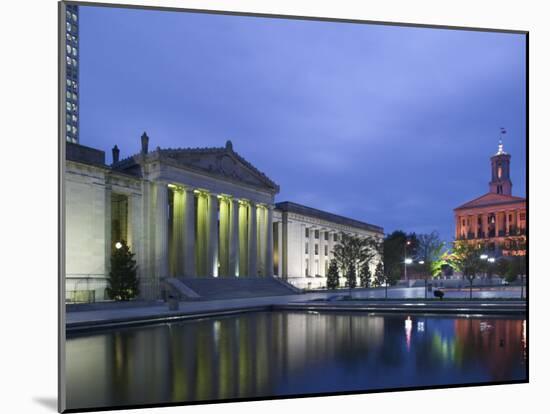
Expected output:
(189, 215)
(269, 244)
(497, 224)
(261, 239)
(234, 238)
(507, 213)
(485, 224)
(243, 222)
(176, 245)
(322, 252)
(161, 231)
(311, 252)
(212, 228)
(280, 249)
(201, 246)
(252, 241)
(224, 227)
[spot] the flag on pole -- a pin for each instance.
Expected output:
(502, 130)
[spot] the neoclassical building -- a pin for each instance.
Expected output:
(496, 219)
(304, 241)
(186, 214)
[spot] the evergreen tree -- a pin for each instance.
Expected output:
(351, 276)
(365, 275)
(332, 276)
(123, 282)
(379, 277)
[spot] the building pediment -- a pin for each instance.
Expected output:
(490, 199)
(221, 163)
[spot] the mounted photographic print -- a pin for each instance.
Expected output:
(261, 206)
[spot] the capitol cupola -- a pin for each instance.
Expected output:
(500, 172)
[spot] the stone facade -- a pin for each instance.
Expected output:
(304, 241)
(188, 213)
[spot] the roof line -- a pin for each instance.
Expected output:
(325, 215)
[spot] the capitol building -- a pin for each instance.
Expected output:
(187, 214)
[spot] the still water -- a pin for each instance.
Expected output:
(284, 353)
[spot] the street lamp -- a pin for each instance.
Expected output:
(118, 245)
(407, 260)
(421, 262)
(483, 257)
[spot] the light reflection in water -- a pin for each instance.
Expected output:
(285, 353)
(408, 330)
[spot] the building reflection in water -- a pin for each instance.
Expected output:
(280, 353)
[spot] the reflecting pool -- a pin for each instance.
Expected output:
(284, 353)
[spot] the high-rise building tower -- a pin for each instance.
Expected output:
(72, 53)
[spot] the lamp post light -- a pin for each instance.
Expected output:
(118, 245)
(421, 262)
(406, 260)
(484, 257)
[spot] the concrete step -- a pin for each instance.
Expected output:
(227, 288)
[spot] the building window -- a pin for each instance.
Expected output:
(335, 237)
(316, 234)
(68, 95)
(307, 267)
(307, 232)
(75, 18)
(74, 118)
(74, 62)
(307, 248)
(68, 60)
(522, 216)
(316, 249)
(68, 27)
(74, 97)
(326, 250)
(68, 49)
(326, 235)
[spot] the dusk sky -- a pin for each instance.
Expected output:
(385, 124)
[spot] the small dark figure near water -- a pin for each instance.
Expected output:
(439, 294)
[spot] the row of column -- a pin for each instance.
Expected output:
(321, 242)
(211, 235)
(502, 221)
